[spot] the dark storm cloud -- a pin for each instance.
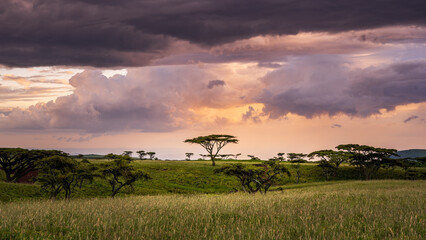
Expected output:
(215, 83)
(133, 33)
(410, 118)
(323, 85)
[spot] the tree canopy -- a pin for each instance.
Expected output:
(119, 173)
(330, 161)
(255, 178)
(213, 143)
(368, 159)
(17, 162)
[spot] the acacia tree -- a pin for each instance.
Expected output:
(188, 156)
(127, 153)
(280, 156)
(141, 154)
(330, 161)
(119, 173)
(17, 162)
(213, 143)
(151, 155)
(255, 178)
(296, 159)
(367, 159)
(57, 173)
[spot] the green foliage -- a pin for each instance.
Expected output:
(254, 178)
(113, 156)
(57, 173)
(119, 173)
(368, 159)
(213, 143)
(296, 159)
(194, 177)
(330, 161)
(17, 162)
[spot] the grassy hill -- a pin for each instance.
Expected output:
(387, 209)
(184, 177)
(412, 153)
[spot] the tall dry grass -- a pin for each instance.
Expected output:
(349, 210)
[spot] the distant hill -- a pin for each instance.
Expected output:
(412, 153)
(90, 156)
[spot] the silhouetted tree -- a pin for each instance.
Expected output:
(141, 154)
(280, 156)
(151, 155)
(127, 153)
(188, 156)
(252, 157)
(213, 143)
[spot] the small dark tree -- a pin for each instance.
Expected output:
(213, 143)
(252, 157)
(280, 156)
(188, 156)
(112, 156)
(119, 173)
(237, 155)
(296, 159)
(151, 155)
(141, 154)
(127, 153)
(367, 159)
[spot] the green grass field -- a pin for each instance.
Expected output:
(184, 177)
(385, 209)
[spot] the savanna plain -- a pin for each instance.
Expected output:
(187, 200)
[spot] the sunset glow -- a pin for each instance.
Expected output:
(97, 80)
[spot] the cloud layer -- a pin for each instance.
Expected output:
(324, 85)
(147, 99)
(134, 33)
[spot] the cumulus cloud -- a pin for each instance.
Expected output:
(135, 33)
(325, 85)
(147, 99)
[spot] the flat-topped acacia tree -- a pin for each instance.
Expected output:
(213, 143)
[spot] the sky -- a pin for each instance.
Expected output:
(89, 76)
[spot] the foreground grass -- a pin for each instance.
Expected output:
(390, 209)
